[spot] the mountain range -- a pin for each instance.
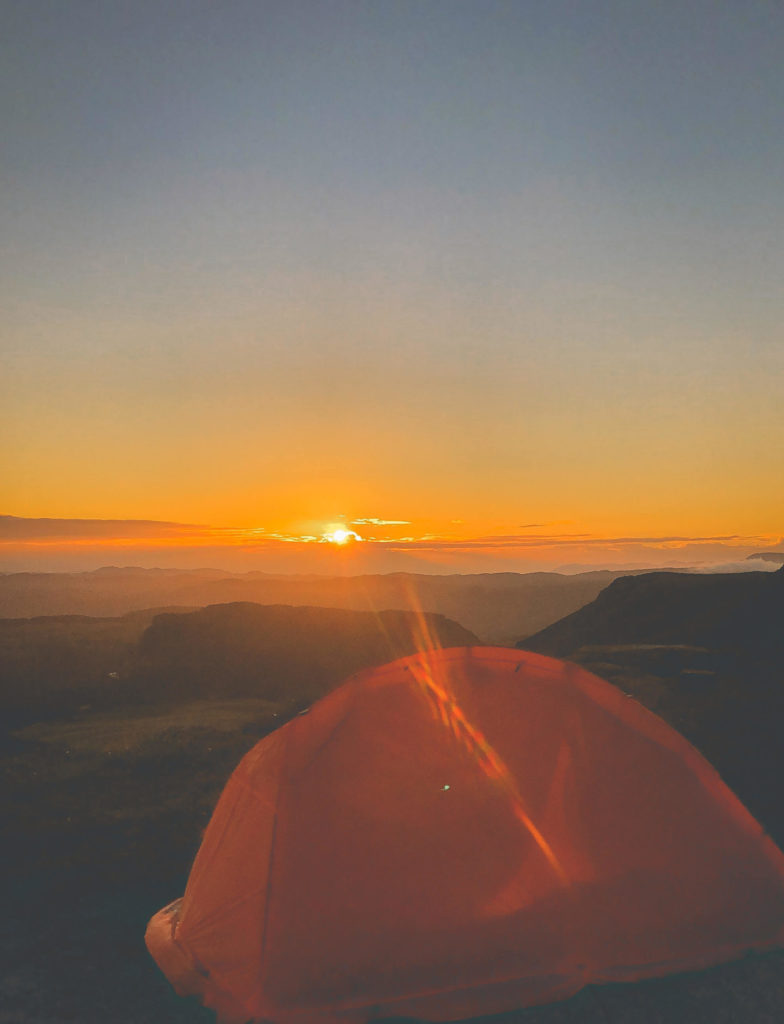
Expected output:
(497, 607)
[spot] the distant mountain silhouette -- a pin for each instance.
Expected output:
(741, 613)
(768, 556)
(498, 607)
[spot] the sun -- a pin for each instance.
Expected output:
(340, 535)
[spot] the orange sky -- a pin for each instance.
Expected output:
(349, 547)
(515, 275)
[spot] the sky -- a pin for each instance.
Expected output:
(483, 284)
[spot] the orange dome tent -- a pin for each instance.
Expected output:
(463, 832)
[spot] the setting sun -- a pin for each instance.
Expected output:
(340, 535)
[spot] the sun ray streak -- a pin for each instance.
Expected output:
(448, 711)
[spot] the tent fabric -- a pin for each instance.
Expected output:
(464, 832)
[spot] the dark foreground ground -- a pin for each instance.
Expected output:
(103, 814)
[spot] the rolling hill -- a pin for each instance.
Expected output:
(50, 666)
(275, 651)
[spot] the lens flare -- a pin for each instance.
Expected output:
(448, 712)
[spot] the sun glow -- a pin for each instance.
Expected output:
(340, 535)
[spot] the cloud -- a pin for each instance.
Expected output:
(433, 542)
(380, 522)
(569, 540)
(747, 565)
(58, 543)
(18, 529)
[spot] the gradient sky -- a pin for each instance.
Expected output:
(484, 269)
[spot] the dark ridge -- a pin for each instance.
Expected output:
(741, 613)
(245, 649)
(704, 653)
(51, 666)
